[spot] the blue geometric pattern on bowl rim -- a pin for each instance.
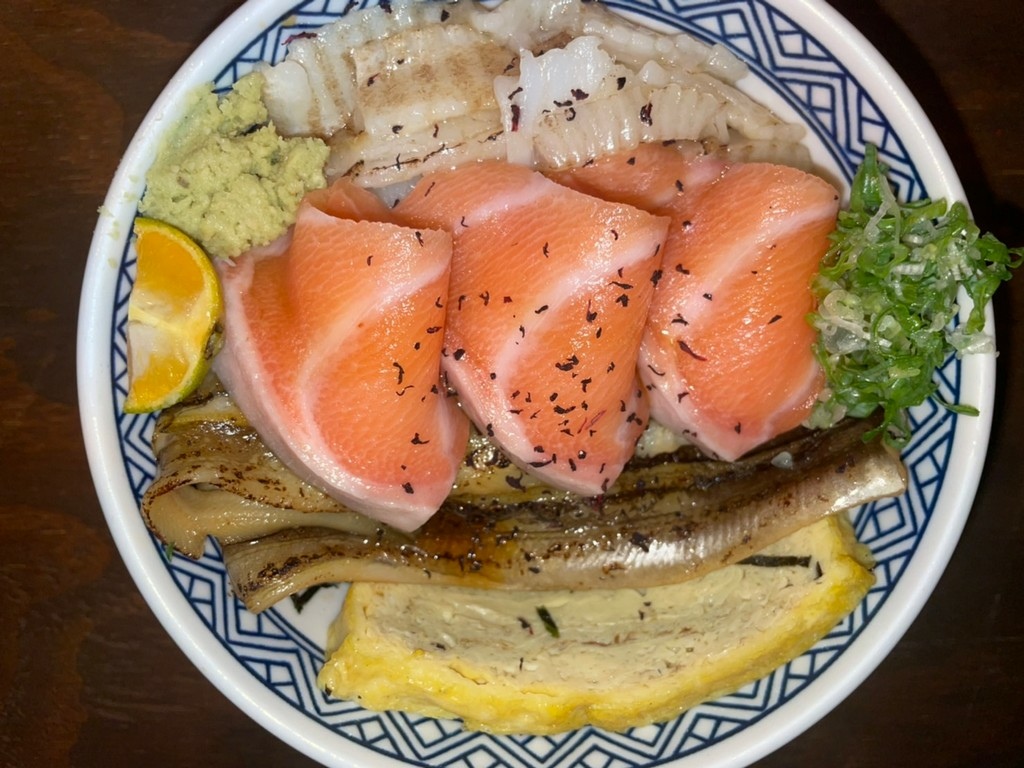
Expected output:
(843, 116)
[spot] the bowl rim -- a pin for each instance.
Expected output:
(172, 609)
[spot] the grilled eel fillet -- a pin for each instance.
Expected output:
(668, 518)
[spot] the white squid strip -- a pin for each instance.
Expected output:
(527, 24)
(289, 98)
(559, 77)
(619, 123)
(411, 80)
(634, 45)
(331, 89)
(375, 164)
(328, 94)
(738, 149)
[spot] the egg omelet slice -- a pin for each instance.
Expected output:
(546, 662)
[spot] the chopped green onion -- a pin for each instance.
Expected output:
(887, 300)
(548, 621)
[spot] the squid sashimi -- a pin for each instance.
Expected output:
(332, 349)
(546, 310)
(727, 354)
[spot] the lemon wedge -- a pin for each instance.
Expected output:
(174, 317)
(546, 662)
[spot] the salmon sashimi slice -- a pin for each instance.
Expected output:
(727, 354)
(333, 340)
(345, 200)
(653, 177)
(546, 309)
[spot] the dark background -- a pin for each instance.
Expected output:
(87, 675)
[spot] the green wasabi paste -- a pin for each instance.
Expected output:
(224, 175)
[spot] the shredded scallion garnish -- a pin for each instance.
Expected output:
(887, 301)
(548, 620)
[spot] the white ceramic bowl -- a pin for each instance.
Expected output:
(808, 64)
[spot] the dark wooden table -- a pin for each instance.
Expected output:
(89, 678)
